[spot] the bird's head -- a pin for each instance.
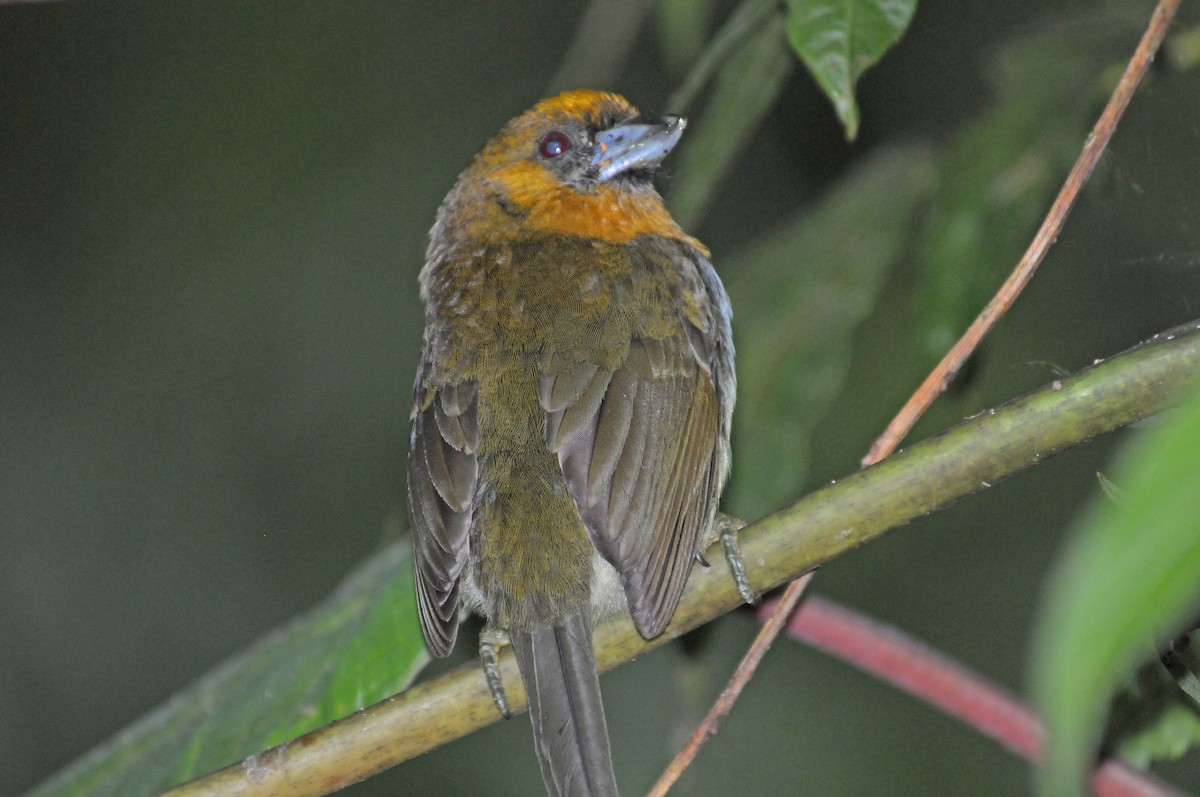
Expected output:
(581, 140)
(581, 163)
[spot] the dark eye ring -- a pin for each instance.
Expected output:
(554, 144)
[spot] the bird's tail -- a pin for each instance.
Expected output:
(559, 671)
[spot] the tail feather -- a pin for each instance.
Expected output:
(558, 667)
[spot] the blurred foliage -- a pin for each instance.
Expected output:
(1002, 168)
(1131, 573)
(216, 212)
(746, 88)
(683, 30)
(1183, 48)
(1156, 713)
(359, 646)
(805, 287)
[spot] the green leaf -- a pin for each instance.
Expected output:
(358, 647)
(839, 40)
(1130, 576)
(799, 293)
(745, 90)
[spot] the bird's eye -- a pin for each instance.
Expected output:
(553, 145)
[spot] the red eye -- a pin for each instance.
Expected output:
(553, 145)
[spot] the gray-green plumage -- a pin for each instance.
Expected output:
(570, 423)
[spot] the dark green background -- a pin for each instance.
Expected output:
(211, 220)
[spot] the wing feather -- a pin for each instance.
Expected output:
(636, 448)
(581, 412)
(641, 426)
(612, 430)
(442, 473)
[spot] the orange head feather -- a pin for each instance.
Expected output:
(547, 172)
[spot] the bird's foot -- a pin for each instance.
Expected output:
(490, 642)
(728, 528)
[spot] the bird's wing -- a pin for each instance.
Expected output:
(442, 471)
(639, 448)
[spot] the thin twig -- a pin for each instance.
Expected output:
(724, 704)
(895, 658)
(1046, 235)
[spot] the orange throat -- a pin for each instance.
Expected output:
(608, 213)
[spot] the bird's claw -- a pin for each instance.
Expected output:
(490, 642)
(729, 528)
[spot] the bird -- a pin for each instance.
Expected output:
(571, 410)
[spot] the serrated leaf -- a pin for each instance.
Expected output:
(839, 40)
(745, 90)
(361, 645)
(1130, 575)
(799, 293)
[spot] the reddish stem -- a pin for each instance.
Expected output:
(893, 657)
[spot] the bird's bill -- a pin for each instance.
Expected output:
(637, 145)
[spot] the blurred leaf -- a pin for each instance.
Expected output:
(1157, 716)
(745, 90)
(799, 293)
(1174, 732)
(1183, 48)
(682, 28)
(1002, 169)
(1182, 660)
(605, 35)
(838, 40)
(355, 649)
(744, 21)
(1130, 575)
